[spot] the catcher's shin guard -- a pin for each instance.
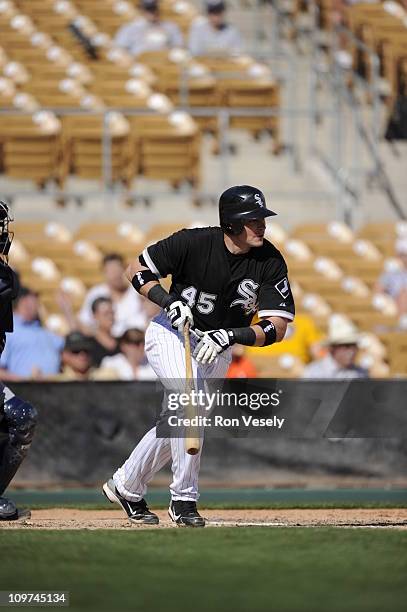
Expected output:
(17, 423)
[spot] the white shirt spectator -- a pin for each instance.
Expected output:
(129, 310)
(394, 282)
(141, 35)
(204, 39)
(329, 368)
(120, 364)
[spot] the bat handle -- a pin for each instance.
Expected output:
(192, 441)
(188, 359)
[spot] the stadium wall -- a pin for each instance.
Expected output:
(86, 430)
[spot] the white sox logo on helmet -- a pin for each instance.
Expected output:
(248, 290)
(258, 199)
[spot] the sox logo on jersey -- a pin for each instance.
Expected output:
(283, 287)
(248, 290)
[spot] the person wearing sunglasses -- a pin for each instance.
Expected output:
(131, 362)
(76, 358)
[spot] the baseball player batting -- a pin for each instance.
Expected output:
(17, 417)
(221, 276)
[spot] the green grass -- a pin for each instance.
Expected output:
(225, 569)
(226, 498)
(226, 506)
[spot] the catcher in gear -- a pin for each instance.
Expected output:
(17, 417)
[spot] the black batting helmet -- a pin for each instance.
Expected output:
(239, 204)
(6, 237)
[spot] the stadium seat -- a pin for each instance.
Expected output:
(161, 230)
(123, 238)
(83, 139)
(32, 148)
(385, 34)
(279, 366)
(131, 94)
(396, 344)
(108, 16)
(107, 71)
(349, 304)
(367, 271)
(180, 13)
(184, 80)
(169, 147)
(374, 321)
(245, 93)
(66, 93)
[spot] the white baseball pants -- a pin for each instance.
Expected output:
(166, 354)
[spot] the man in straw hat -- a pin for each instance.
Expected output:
(342, 343)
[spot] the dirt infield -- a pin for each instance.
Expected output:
(65, 518)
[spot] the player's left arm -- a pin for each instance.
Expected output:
(263, 333)
(275, 307)
(280, 325)
(276, 310)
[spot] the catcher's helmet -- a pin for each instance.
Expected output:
(6, 237)
(239, 204)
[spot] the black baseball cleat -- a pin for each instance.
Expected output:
(9, 511)
(184, 513)
(137, 512)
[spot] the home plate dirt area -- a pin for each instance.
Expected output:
(66, 518)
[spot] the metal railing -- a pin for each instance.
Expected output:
(223, 114)
(349, 172)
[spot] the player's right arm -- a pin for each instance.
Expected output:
(145, 280)
(135, 267)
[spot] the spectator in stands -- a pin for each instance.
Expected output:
(77, 358)
(130, 363)
(103, 342)
(31, 350)
(213, 35)
(338, 9)
(128, 306)
(149, 32)
(394, 282)
(302, 340)
(241, 366)
(340, 362)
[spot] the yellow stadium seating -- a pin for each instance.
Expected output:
(168, 151)
(396, 344)
(83, 139)
(32, 150)
(279, 366)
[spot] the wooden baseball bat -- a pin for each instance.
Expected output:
(192, 441)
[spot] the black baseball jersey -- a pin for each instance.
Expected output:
(222, 289)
